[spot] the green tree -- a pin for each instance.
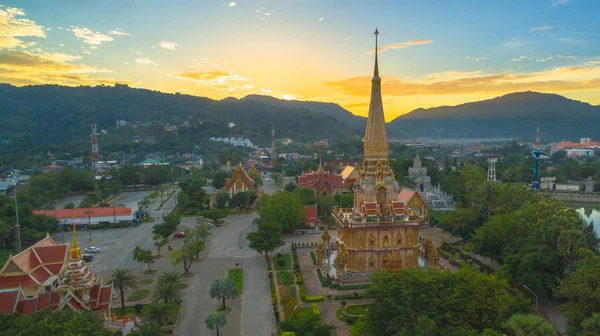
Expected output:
(123, 279)
(223, 288)
(306, 195)
(157, 312)
(325, 206)
(5, 231)
(290, 187)
(282, 208)
(60, 322)
(240, 200)
(167, 291)
(147, 329)
(258, 182)
(215, 321)
(277, 178)
(591, 325)
(188, 253)
(219, 179)
(528, 324)
(405, 298)
(267, 239)
(222, 199)
(581, 288)
(159, 242)
(143, 257)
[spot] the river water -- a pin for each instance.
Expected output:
(589, 212)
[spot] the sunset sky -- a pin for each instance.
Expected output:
(432, 53)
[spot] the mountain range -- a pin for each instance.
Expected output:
(52, 117)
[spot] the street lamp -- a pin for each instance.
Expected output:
(89, 213)
(535, 296)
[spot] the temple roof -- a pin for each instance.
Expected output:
(239, 174)
(348, 170)
(310, 214)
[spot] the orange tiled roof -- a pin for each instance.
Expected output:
(405, 195)
(82, 212)
(239, 173)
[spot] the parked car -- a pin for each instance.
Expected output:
(179, 234)
(92, 249)
(88, 257)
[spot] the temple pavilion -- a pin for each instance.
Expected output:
(380, 231)
(49, 276)
(239, 181)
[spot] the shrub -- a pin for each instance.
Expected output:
(280, 262)
(343, 303)
(302, 291)
(313, 257)
(315, 309)
(299, 279)
(314, 298)
(296, 266)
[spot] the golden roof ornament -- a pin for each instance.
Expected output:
(75, 252)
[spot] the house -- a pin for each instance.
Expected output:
(5, 188)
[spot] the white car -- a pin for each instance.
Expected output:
(92, 250)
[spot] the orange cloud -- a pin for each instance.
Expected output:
(401, 45)
(218, 80)
(577, 78)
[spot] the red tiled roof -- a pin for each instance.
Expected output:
(54, 268)
(75, 305)
(94, 293)
(405, 195)
(8, 301)
(398, 207)
(27, 307)
(105, 295)
(40, 274)
(43, 301)
(310, 214)
(54, 299)
(52, 254)
(102, 307)
(16, 280)
(27, 260)
(371, 208)
(81, 212)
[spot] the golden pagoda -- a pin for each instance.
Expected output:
(378, 224)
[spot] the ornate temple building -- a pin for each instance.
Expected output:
(239, 181)
(418, 174)
(432, 195)
(49, 276)
(414, 202)
(379, 232)
(324, 183)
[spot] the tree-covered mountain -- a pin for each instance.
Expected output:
(512, 115)
(57, 118)
(356, 123)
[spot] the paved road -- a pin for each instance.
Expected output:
(228, 247)
(131, 199)
(116, 245)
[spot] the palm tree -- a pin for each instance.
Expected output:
(167, 292)
(215, 321)
(123, 279)
(223, 288)
(147, 329)
(528, 324)
(157, 312)
(171, 277)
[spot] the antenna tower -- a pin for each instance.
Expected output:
(95, 155)
(273, 150)
(538, 136)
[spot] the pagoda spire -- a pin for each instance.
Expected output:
(376, 137)
(75, 252)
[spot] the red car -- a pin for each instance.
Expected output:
(179, 234)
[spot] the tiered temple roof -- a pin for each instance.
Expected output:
(239, 178)
(322, 181)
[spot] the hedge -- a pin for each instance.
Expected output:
(321, 279)
(313, 257)
(314, 298)
(302, 290)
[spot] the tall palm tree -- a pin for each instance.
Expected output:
(528, 324)
(123, 279)
(157, 312)
(223, 288)
(215, 321)
(147, 329)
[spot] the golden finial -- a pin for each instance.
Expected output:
(376, 71)
(75, 253)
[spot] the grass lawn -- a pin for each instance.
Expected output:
(138, 295)
(237, 275)
(176, 307)
(288, 299)
(356, 310)
(4, 255)
(128, 310)
(285, 278)
(146, 281)
(286, 266)
(306, 311)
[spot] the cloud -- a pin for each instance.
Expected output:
(347, 38)
(560, 2)
(265, 90)
(569, 57)
(169, 45)
(401, 45)
(119, 32)
(144, 60)
(219, 80)
(231, 4)
(541, 28)
(520, 58)
(13, 26)
(20, 67)
(477, 59)
(571, 40)
(545, 59)
(321, 19)
(90, 37)
(288, 96)
(583, 77)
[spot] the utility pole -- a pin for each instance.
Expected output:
(89, 213)
(17, 226)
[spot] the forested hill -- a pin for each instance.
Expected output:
(58, 117)
(511, 115)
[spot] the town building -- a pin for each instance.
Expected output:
(379, 232)
(239, 181)
(93, 216)
(49, 276)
